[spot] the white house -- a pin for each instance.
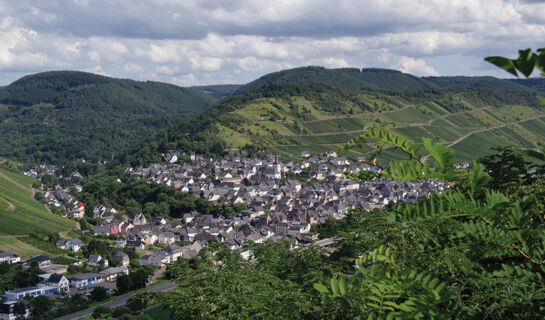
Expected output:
(21, 293)
(74, 244)
(84, 280)
(55, 280)
(95, 260)
(111, 274)
(151, 260)
(8, 257)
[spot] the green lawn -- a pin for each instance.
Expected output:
(25, 214)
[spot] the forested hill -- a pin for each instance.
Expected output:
(537, 84)
(218, 91)
(291, 118)
(344, 78)
(63, 115)
(479, 82)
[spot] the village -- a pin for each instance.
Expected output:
(282, 200)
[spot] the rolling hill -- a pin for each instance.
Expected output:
(291, 118)
(218, 91)
(63, 115)
(21, 214)
(537, 84)
(479, 82)
(370, 78)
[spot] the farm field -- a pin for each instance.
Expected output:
(20, 213)
(325, 119)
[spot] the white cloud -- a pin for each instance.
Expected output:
(132, 67)
(414, 66)
(206, 41)
(206, 64)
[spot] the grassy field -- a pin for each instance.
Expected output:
(24, 250)
(23, 214)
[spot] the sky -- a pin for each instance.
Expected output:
(196, 42)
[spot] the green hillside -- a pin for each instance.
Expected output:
(20, 213)
(218, 91)
(537, 84)
(63, 115)
(292, 118)
(478, 82)
(344, 78)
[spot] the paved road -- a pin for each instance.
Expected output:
(121, 300)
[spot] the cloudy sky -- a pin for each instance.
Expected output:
(190, 42)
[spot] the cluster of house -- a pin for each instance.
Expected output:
(41, 170)
(277, 208)
(140, 234)
(55, 284)
(68, 204)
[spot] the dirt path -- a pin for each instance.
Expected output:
(11, 206)
(3, 176)
(33, 193)
(13, 236)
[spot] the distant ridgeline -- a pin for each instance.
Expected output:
(317, 109)
(63, 115)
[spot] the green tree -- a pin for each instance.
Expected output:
(124, 284)
(19, 310)
(506, 168)
(101, 312)
(99, 294)
(40, 307)
(138, 302)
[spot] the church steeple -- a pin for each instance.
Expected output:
(276, 158)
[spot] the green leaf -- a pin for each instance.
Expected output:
(334, 286)
(526, 62)
(321, 288)
(540, 60)
(343, 286)
(442, 154)
(504, 63)
(478, 180)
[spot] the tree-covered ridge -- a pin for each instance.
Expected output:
(316, 117)
(537, 84)
(60, 116)
(218, 91)
(479, 82)
(370, 78)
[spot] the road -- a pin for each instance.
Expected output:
(121, 300)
